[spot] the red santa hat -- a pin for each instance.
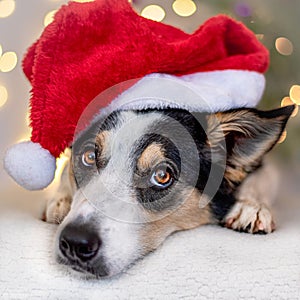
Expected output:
(90, 47)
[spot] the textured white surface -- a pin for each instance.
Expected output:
(206, 263)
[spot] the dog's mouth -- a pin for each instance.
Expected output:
(83, 268)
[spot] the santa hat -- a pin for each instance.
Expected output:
(90, 47)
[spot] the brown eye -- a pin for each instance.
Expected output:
(162, 177)
(89, 158)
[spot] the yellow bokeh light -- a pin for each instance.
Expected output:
(284, 46)
(154, 12)
(283, 137)
(7, 7)
(60, 164)
(8, 61)
(184, 8)
(24, 137)
(295, 94)
(3, 95)
(27, 119)
(49, 17)
(295, 112)
(288, 101)
(260, 36)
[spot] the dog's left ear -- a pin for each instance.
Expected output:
(248, 135)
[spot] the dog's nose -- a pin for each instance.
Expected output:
(79, 242)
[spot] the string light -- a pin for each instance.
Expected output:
(49, 17)
(284, 46)
(8, 61)
(3, 95)
(154, 12)
(295, 94)
(184, 8)
(7, 7)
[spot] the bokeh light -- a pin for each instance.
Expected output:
(283, 137)
(184, 8)
(154, 12)
(3, 95)
(60, 163)
(8, 61)
(243, 9)
(27, 119)
(260, 36)
(295, 94)
(295, 112)
(49, 17)
(288, 101)
(7, 7)
(24, 137)
(284, 46)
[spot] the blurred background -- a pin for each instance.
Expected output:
(275, 23)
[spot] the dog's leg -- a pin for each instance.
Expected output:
(59, 205)
(251, 213)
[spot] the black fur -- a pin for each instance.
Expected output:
(164, 132)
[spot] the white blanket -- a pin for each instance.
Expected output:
(205, 263)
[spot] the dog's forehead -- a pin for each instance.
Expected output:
(130, 127)
(123, 127)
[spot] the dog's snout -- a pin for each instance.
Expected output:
(79, 242)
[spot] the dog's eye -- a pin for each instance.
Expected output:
(89, 158)
(162, 177)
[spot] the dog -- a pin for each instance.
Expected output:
(135, 177)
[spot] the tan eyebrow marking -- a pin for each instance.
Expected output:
(152, 155)
(103, 142)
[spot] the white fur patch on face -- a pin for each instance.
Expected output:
(120, 240)
(121, 244)
(108, 200)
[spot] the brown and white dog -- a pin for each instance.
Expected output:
(136, 177)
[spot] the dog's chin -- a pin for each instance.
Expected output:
(75, 269)
(84, 271)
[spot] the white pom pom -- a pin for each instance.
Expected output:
(30, 165)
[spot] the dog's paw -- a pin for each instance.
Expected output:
(251, 217)
(57, 209)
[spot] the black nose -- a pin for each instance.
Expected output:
(79, 242)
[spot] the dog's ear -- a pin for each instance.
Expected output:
(245, 136)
